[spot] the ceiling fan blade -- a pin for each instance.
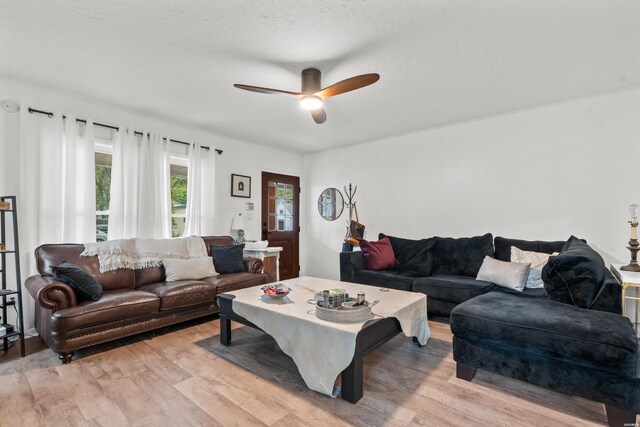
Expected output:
(319, 116)
(267, 90)
(348, 85)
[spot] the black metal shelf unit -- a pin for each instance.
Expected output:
(9, 297)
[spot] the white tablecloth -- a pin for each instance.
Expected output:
(321, 349)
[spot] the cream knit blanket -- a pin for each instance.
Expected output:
(142, 253)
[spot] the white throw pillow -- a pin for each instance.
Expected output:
(188, 269)
(508, 274)
(537, 260)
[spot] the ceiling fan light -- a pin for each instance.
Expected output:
(311, 102)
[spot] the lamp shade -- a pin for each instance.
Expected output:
(633, 210)
(237, 223)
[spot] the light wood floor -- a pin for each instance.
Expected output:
(183, 376)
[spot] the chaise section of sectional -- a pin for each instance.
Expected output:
(589, 353)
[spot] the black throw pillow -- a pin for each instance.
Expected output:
(83, 283)
(575, 276)
(228, 259)
(462, 256)
(412, 255)
(503, 246)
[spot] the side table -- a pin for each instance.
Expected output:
(270, 257)
(629, 279)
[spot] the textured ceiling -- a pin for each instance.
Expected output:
(440, 61)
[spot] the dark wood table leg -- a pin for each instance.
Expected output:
(352, 378)
(225, 330)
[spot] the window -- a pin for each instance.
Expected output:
(103, 186)
(178, 198)
(178, 181)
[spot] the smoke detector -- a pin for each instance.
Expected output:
(10, 106)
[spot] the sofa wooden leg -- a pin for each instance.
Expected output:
(66, 357)
(464, 371)
(617, 417)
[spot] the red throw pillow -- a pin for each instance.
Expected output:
(378, 255)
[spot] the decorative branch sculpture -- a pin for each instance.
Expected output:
(355, 229)
(350, 194)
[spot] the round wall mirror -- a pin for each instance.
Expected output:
(330, 204)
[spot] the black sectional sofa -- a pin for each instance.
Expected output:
(445, 269)
(569, 336)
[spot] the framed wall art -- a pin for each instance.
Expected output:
(240, 186)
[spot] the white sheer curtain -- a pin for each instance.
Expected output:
(200, 192)
(122, 200)
(57, 182)
(140, 201)
(154, 214)
(56, 186)
(78, 181)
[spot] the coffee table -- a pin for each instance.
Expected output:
(372, 335)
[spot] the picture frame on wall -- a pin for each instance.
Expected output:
(240, 186)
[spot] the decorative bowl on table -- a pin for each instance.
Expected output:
(276, 290)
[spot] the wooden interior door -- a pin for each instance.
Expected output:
(281, 219)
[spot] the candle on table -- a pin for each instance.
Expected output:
(633, 210)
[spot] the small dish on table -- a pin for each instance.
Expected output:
(354, 305)
(276, 290)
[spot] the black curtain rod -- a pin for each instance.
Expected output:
(50, 114)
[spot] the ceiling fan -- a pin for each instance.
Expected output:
(311, 95)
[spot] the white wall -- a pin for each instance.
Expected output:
(239, 157)
(543, 173)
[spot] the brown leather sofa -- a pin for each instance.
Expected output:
(133, 301)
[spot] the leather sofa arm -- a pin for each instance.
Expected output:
(253, 265)
(350, 264)
(50, 293)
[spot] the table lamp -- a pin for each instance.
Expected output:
(237, 225)
(634, 246)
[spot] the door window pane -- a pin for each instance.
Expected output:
(280, 206)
